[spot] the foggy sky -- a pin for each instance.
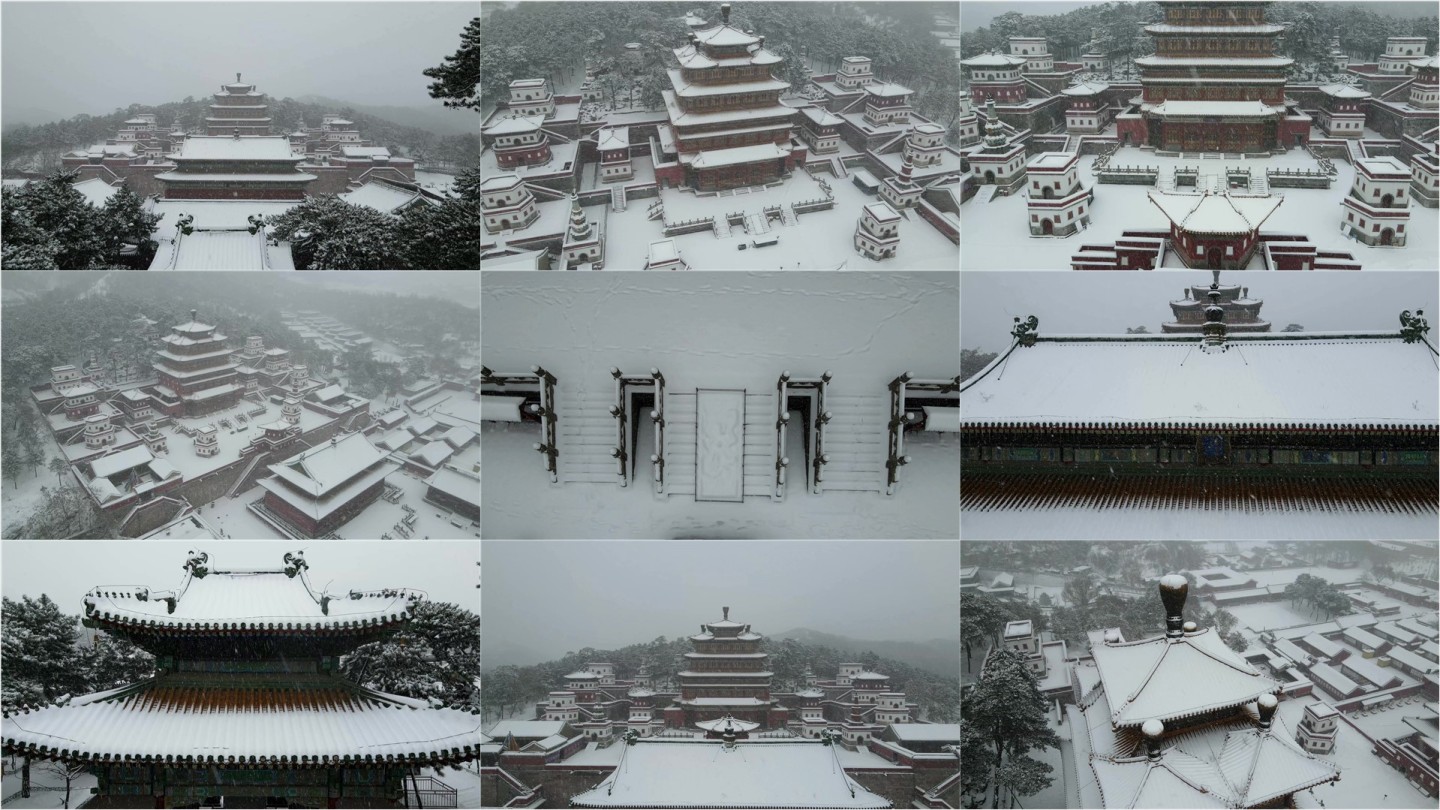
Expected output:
(63, 59)
(980, 14)
(555, 597)
(65, 570)
(1067, 302)
(459, 287)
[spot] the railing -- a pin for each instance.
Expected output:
(537, 375)
(621, 451)
(818, 419)
(427, 791)
(898, 388)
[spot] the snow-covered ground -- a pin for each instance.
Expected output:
(435, 181)
(705, 331)
(996, 235)
(47, 789)
(18, 501)
(823, 240)
(1131, 523)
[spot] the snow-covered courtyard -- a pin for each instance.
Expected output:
(995, 235)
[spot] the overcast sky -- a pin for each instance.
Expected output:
(979, 15)
(460, 287)
(1068, 302)
(63, 59)
(556, 597)
(65, 570)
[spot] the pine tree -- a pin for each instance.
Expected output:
(459, 77)
(38, 651)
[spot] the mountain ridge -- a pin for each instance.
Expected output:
(940, 656)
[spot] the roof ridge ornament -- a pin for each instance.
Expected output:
(1025, 332)
(1173, 590)
(196, 565)
(1214, 328)
(1413, 327)
(295, 563)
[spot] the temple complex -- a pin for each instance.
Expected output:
(248, 707)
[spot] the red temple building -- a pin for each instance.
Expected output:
(1215, 231)
(247, 707)
(315, 492)
(725, 676)
(196, 371)
(1215, 82)
(235, 167)
(726, 123)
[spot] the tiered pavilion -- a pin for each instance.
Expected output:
(248, 707)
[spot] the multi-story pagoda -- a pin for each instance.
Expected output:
(1215, 82)
(1241, 312)
(196, 373)
(727, 125)
(238, 107)
(725, 676)
(247, 707)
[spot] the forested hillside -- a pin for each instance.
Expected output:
(38, 149)
(509, 688)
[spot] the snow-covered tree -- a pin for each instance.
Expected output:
(458, 79)
(38, 652)
(327, 233)
(435, 656)
(114, 662)
(441, 237)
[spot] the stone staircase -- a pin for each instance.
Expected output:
(1259, 182)
(759, 444)
(787, 215)
(585, 433)
(757, 224)
(722, 226)
(855, 441)
(617, 198)
(984, 195)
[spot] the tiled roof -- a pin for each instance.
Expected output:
(1166, 679)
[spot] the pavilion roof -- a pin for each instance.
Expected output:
(1280, 379)
(246, 600)
(319, 470)
(245, 147)
(1216, 213)
(198, 719)
(723, 35)
(706, 773)
(1172, 678)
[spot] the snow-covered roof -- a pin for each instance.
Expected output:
(1053, 160)
(257, 177)
(1332, 679)
(1323, 645)
(881, 212)
(1413, 661)
(500, 182)
(821, 117)
(126, 459)
(706, 773)
(526, 729)
(1209, 213)
(994, 60)
(615, 137)
(433, 454)
(456, 483)
(1207, 61)
(1370, 671)
(1386, 166)
(1427, 62)
(422, 425)
(1086, 89)
(712, 158)
(869, 676)
(1166, 28)
(689, 57)
(321, 469)
(246, 600)
(927, 732)
(95, 191)
(1341, 90)
(364, 151)
(1214, 108)
(1263, 379)
(515, 125)
(725, 35)
(457, 437)
(582, 675)
(683, 118)
(245, 147)
(170, 717)
(887, 89)
(684, 90)
(1364, 637)
(1172, 678)
(329, 392)
(727, 724)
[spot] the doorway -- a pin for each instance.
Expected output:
(1387, 236)
(1387, 201)
(989, 178)
(1214, 257)
(1047, 227)
(1047, 193)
